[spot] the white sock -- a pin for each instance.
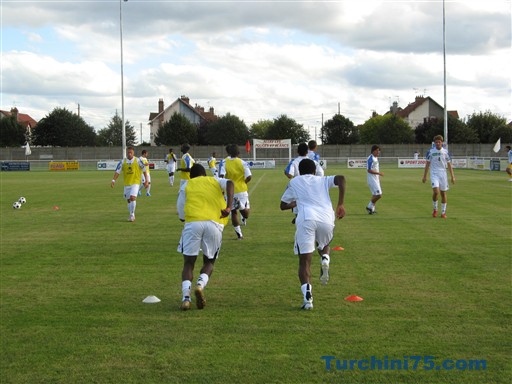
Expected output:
(326, 259)
(307, 290)
(148, 188)
(171, 180)
(434, 204)
(370, 205)
(238, 230)
(132, 204)
(203, 280)
(185, 288)
(443, 207)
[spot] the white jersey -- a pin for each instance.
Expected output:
(293, 167)
(438, 159)
(372, 164)
(312, 196)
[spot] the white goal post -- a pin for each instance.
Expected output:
(273, 144)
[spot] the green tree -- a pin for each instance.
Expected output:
(484, 123)
(259, 129)
(339, 130)
(62, 128)
(12, 133)
(387, 129)
(284, 127)
(112, 135)
(458, 131)
(504, 133)
(227, 129)
(176, 131)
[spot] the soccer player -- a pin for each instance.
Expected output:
(509, 168)
(186, 164)
(292, 168)
(145, 161)
(212, 164)
(312, 145)
(373, 178)
(201, 205)
(234, 168)
(171, 161)
(315, 220)
(132, 169)
(438, 159)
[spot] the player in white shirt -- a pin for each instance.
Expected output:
(292, 169)
(509, 168)
(315, 220)
(438, 159)
(373, 178)
(312, 151)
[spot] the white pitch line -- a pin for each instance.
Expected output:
(253, 188)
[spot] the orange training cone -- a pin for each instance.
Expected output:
(338, 248)
(353, 298)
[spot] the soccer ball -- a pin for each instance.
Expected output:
(22, 200)
(16, 205)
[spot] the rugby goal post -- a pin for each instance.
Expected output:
(272, 144)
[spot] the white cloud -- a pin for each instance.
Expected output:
(255, 59)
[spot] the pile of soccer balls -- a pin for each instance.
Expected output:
(19, 203)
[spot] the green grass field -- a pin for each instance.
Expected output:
(73, 280)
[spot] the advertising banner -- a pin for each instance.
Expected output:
(63, 166)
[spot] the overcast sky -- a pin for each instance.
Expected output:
(254, 59)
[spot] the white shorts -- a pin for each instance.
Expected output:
(131, 190)
(143, 179)
(241, 201)
(197, 235)
(171, 168)
(309, 233)
(439, 180)
(375, 188)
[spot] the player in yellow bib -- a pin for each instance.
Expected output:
(171, 161)
(237, 170)
(212, 164)
(201, 205)
(144, 158)
(186, 164)
(132, 169)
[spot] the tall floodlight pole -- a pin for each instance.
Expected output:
(444, 72)
(123, 128)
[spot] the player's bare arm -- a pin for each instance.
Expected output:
(284, 206)
(340, 181)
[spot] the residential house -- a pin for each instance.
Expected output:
(420, 111)
(23, 119)
(196, 115)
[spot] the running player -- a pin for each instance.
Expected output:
(132, 169)
(315, 220)
(236, 169)
(201, 205)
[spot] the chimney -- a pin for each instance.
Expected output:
(211, 111)
(14, 112)
(394, 107)
(160, 105)
(185, 99)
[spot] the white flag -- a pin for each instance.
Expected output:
(28, 152)
(497, 146)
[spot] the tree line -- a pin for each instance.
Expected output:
(63, 128)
